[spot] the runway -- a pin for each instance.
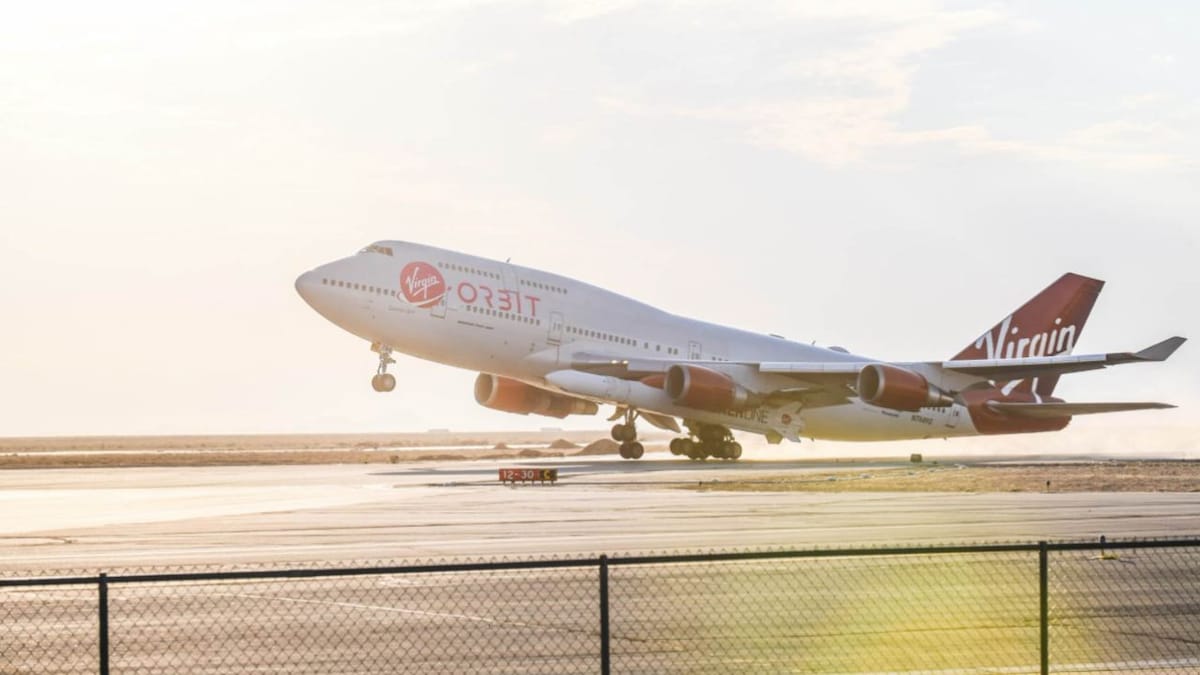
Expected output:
(112, 518)
(960, 613)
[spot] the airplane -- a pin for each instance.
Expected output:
(547, 344)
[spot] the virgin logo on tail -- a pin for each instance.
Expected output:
(1006, 342)
(421, 284)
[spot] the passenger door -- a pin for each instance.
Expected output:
(554, 337)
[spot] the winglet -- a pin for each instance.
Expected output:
(1161, 351)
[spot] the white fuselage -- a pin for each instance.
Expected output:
(525, 324)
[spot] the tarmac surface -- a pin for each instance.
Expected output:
(960, 613)
(90, 518)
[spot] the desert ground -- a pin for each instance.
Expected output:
(933, 474)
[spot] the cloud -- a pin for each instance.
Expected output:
(1117, 145)
(852, 94)
(855, 94)
(885, 59)
(571, 11)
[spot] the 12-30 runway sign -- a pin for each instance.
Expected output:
(524, 475)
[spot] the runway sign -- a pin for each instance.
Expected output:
(528, 475)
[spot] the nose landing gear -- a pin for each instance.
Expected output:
(383, 380)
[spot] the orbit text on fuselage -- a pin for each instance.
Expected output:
(500, 299)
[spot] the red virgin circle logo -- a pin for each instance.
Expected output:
(422, 284)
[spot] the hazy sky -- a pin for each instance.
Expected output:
(889, 176)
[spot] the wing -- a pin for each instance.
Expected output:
(814, 385)
(827, 383)
(1052, 410)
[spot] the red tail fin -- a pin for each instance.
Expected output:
(1047, 325)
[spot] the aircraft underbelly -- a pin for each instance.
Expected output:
(861, 422)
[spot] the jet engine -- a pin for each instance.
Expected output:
(899, 389)
(698, 387)
(501, 393)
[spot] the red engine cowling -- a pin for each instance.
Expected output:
(501, 393)
(988, 420)
(697, 387)
(898, 389)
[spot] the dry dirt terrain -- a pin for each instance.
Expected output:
(440, 446)
(259, 450)
(1092, 476)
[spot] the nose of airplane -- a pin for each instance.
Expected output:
(306, 286)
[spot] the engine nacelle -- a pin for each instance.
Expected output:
(698, 387)
(989, 420)
(899, 389)
(501, 393)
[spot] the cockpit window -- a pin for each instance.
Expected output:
(376, 248)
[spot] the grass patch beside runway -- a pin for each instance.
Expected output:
(1105, 476)
(294, 449)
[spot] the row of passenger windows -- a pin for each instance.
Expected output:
(544, 287)
(582, 332)
(503, 315)
(467, 270)
(357, 287)
(619, 339)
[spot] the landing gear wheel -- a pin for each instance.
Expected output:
(383, 382)
(728, 450)
(624, 433)
(677, 446)
(707, 440)
(618, 432)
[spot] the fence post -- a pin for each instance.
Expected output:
(103, 610)
(605, 664)
(1044, 594)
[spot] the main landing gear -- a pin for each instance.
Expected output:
(706, 440)
(383, 380)
(626, 434)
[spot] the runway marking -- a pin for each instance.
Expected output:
(382, 608)
(586, 565)
(416, 612)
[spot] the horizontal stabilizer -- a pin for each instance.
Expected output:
(1055, 410)
(1043, 366)
(1161, 351)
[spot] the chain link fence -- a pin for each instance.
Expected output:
(1006, 608)
(1132, 609)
